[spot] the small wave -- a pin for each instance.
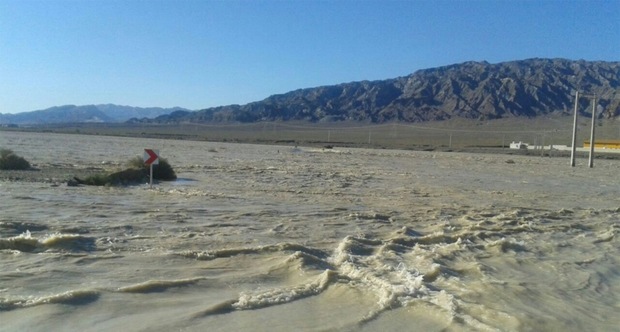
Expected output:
(73, 242)
(231, 252)
(90, 259)
(354, 246)
(24, 197)
(396, 274)
(284, 295)
(397, 281)
(187, 192)
(408, 232)
(605, 236)
(308, 260)
(562, 213)
(217, 309)
(20, 227)
(75, 297)
(445, 301)
(370, 216)
(271, 297)
(7, 305)
(394, 284)
(25, 242)
(156, 286)
(435, 238)
(506, 245)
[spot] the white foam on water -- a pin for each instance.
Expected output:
(72, 297)
(23, 242)
(393, 282)
(26, 242)
(275, 296)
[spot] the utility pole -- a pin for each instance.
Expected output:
(591, 159)
(572, 156)
(574, 147)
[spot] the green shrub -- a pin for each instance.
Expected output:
(128, 176)
(136, 162)
(94, 180)
(11, 161)
(137, 173)
(122, 178)
(163, 171)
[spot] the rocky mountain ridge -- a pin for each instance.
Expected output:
(474, 90)
(104, 113)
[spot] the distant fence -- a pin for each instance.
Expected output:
(388, 135)
(494, 133)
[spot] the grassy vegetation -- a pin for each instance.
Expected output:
(11, 161)
(96, 180)
(162, 171)
(136, 173)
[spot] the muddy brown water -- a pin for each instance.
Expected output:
(275, 238)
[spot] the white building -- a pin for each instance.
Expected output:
(518, 145)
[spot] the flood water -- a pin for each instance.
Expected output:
(281, 238)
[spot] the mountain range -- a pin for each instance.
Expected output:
(104, 113)
(474, 90)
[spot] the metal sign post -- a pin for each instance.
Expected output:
(151, 157)
(151, 176)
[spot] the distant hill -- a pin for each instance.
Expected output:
(475, 90)
(89, 113)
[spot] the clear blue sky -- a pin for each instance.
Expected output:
(199, 54)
